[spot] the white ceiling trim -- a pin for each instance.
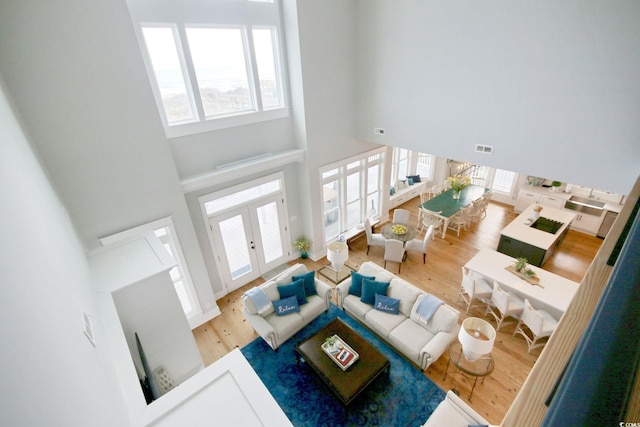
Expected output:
(231, 171)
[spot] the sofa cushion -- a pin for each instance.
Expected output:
(372, 269)
(355, 307)
(309, 282)
(383, 323)
(294, 288)
(386, 304)
(286, 306)
(370, 288)
(444, 319)
(285, 326)
(405, 292)
(356, 283)
(410, 338)
(286, 276)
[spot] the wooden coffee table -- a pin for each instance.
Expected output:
(346, 385)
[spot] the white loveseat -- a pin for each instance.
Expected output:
(275, 330)
(454, 412)
(422, 343)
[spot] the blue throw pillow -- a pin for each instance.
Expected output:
(356, 283)
(370, 288)
(309, 281)
(294, 288)
(414, 178)
(386, 304)
(286, 306)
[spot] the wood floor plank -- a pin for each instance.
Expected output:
(440, 276)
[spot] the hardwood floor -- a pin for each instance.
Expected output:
(440, 276)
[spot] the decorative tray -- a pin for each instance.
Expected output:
(534, 280)
(343, 356)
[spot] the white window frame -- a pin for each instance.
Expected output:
(247, 15)
(412, 164)
(514, 180)
(174, 242)
(366, 160)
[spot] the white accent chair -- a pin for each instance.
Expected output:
(373, 239)
(503, 305)
(421, 246)
(401, 216)
(394, 252)
(540, 324)
(474, 288)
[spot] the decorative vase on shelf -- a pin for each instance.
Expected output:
(456, 194)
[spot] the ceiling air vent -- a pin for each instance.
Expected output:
(486, 149)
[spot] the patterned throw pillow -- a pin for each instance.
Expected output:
(294, 288)
(286, 306)
(370, 288)
(356, 283)
(386, 304)
(309, 281)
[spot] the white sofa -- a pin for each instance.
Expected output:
(275, 330)
(422, 343)
(454, 412)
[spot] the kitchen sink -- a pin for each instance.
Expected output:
(584, 205)
(547, 225)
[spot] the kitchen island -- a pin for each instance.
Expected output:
(535, 238)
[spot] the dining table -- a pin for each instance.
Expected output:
(445, 207)
(388, 233)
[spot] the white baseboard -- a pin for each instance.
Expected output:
(201, 318)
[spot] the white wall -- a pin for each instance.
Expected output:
(551, 85)
(75, 71)
(51, 373)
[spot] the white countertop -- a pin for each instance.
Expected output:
(520, 229)
(555, 297)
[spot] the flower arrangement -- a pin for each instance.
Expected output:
(458, 183)
(302, 244)
(537, 208)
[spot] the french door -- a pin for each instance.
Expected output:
(249, 240)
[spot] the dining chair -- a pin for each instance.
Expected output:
(474, 287)
(401, 216)
(460, 220)
(504, 304)
(394, 252)
(420, 246)
(373, 239)
(540, 324)
(431, 218)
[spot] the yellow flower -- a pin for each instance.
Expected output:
(458, 182)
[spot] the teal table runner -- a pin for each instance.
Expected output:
(449, 206)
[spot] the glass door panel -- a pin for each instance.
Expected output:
(270, 235)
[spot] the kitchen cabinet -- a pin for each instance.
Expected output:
(517, 249)
(525, 199)
(552, 201)
(586, 223)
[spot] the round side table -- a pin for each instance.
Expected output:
(476, 369)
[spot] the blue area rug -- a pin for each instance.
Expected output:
(406, 397)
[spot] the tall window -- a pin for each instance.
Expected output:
(406, 162)
(213, 67)
(350, 189)
(503, 181)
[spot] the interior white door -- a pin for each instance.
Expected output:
(249, 241)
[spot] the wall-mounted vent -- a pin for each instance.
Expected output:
(486, 149)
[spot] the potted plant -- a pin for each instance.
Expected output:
(529, 273)
(520, 264)
(303, 245)
(555, 185)
(331, 343)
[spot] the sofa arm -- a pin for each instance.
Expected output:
(435, 348)
(324, 291)
(343, 290)
(262, 328)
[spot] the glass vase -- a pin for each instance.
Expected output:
(456, 194)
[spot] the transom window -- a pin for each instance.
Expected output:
(212, 65)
